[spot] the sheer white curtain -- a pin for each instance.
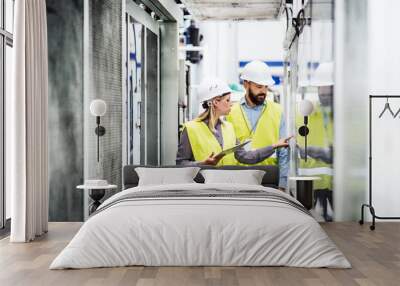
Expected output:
(28, 123)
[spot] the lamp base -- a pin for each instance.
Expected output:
(100, 130)
(303, 130)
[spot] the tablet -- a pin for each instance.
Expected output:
(232, 149)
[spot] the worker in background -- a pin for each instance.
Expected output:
(259, 119)
(203, 138)
(320, 141)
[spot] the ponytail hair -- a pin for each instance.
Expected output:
(209, 114)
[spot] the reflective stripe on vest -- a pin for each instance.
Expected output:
(314, 167)
(266, 132)
(203, 141)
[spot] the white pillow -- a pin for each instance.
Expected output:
(249, 177)
(164, 176)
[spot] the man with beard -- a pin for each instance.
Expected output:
(259, 119)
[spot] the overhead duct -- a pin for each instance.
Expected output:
(233, 10)
(166, 10)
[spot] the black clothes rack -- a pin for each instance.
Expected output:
(370, 204)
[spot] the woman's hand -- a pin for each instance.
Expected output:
(284, 142)
(212, 160)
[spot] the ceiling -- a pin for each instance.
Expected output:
(233, 10)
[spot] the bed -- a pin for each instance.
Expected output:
(198, 224)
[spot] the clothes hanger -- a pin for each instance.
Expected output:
(387, 107)
(397, 113)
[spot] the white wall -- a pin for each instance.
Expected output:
(384, 46)
(350, 108)
(367, 60)
(385, 159)
(384, 75)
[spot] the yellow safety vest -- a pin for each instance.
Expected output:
(266, 132)
(203, 141)
(320, 135)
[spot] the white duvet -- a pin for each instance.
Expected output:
(200, 231)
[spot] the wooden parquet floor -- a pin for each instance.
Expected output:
(375, 257)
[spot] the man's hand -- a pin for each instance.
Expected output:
(212, 160)
(284, 142)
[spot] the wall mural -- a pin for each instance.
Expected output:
(242, 124)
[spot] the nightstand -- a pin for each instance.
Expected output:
(96, 193)
(304, 190)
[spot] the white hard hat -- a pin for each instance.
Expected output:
(323, 76)
(257, 72)
(210, 88)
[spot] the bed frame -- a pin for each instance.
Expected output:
(130, 178)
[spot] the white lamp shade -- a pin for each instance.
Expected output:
(98, 107)
(306, 107)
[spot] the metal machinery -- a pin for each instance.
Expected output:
(150, 32)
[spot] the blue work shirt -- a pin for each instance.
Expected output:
(253, 113)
